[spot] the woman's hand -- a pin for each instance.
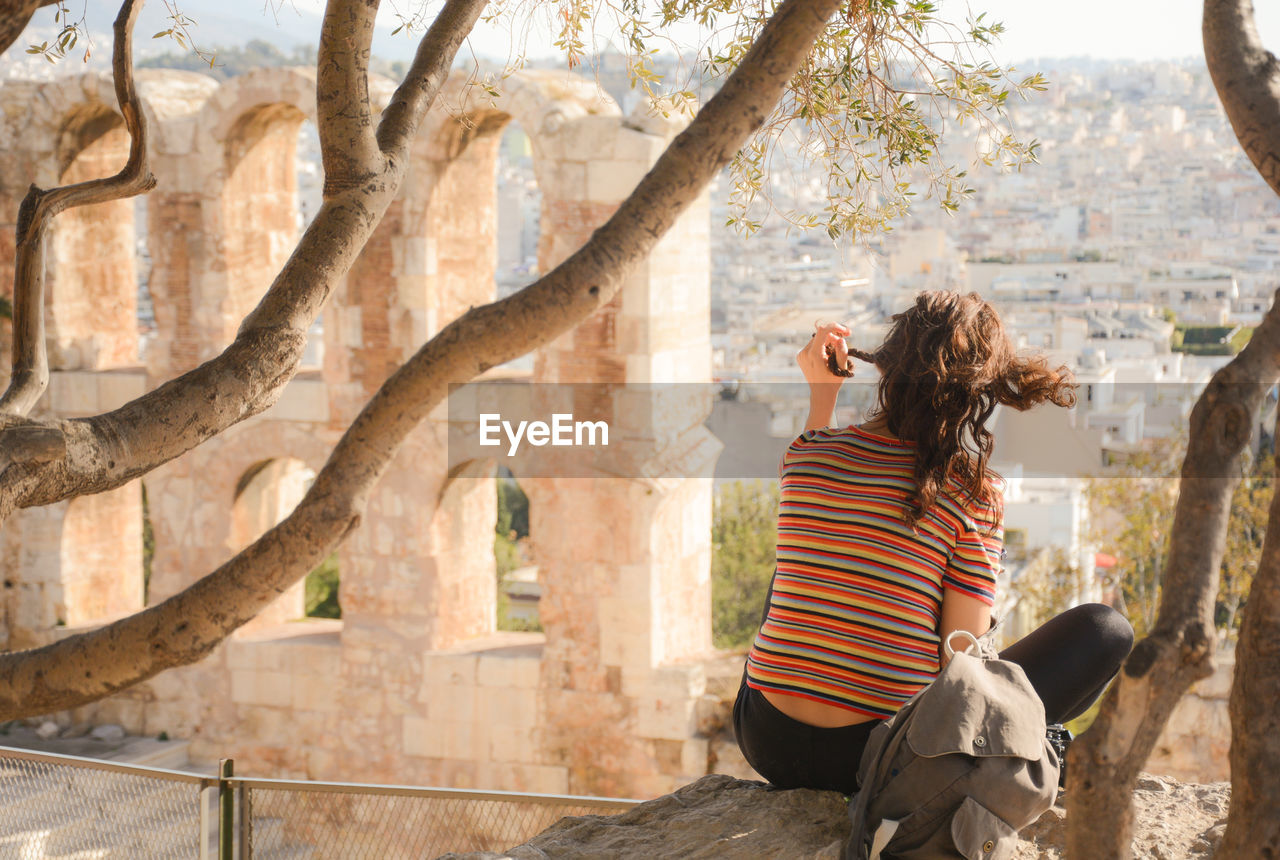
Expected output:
(812, 357)
(824, 386)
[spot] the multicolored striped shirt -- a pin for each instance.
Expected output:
(853, 617)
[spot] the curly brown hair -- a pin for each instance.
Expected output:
(945, 365)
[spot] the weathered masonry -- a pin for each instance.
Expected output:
(413, 685)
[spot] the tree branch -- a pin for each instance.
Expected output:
(344, 112)
(413, 98)
(1106, 760)
(188, 625)
(1247, 78)
(30, 374)
(1253, 820)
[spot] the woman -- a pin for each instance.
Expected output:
(890, 537)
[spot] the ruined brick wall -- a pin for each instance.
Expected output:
(413, 684)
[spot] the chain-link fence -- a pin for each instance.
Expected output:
(331, 821)
(63, 806)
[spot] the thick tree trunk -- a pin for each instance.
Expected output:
(1253, 823)
(184, 628)
(1105, 761)
(1247, 78)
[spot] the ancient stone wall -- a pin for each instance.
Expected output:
(1195, 743)
(413, 685)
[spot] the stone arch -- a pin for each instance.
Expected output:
(192, 499)
(251, 129)
(91, 262)
(101, 556)
(460, 143)
(92, 296)
(264, 495)
(466, 505)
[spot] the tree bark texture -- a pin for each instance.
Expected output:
(1247, 78)
(1105, 761)
(184, 628)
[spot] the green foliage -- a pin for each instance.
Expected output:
(69, 32)
(322, 590)
(6, 308)
(1131, 514)
(743, 540)
(1047, 580)
(513, 508)
(512, 524)
(233, 61)
(505, 555)
(865, 111)
(1250, 506)
(1209, 339)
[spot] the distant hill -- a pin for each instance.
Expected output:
(228, 23)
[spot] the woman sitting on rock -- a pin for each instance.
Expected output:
(890, 537)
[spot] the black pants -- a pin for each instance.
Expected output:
(1069, 661)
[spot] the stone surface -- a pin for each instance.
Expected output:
(722, 817)
(717, 816)
(109, 732)
(1196, 741)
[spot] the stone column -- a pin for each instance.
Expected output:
(625, 562)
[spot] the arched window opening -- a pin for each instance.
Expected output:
(519, 209)
(259, 205)
(102, 556)
(266, 493)
(92, 295)
(309, 196)
(145, 309)
(514, 564)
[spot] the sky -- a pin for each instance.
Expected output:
(1107, 29)
(1102, 29)
(1035, 29)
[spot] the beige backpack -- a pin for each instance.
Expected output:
(959, 769)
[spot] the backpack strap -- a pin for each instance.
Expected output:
(946, 646)
(871, 786)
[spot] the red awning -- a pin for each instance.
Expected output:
(1102, 559)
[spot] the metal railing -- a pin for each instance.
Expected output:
(52, 805)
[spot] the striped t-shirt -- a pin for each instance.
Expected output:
(857, 595)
